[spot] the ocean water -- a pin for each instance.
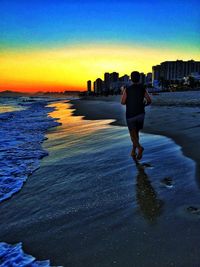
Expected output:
(21, 135)
(8, 104)
(13, 255)
(22, 131)
(90, 204)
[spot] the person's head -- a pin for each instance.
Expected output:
(135, 76)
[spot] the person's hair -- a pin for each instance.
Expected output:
(135, 76)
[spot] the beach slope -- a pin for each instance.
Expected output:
(175, 115)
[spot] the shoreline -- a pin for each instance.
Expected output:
(163, 120)
(81, 184)
(21, 149)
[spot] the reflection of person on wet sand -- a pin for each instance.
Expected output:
(147, 200)
(133, 97)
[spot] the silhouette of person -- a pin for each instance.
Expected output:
(134, 97)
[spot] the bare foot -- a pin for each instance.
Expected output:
(140, 151)
(133, 152)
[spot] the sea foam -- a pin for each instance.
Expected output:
(21, 136)
(13, 255)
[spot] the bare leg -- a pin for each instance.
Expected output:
(137, 131)
(133, 152)
(135, 139)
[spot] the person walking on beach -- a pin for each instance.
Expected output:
(135, 97)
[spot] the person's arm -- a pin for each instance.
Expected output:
(148, 98)
(124, 96)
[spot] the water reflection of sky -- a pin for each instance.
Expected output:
(8, 108)
(90, 205)
(64, 114)
(73, 128)
(9, 105)
(126, 207)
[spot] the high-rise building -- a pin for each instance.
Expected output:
(107, 81)
(98, 89)
(156, 71)
(124, 78)
(114, 77)
(142, 78)
(89, 86)
(175, 70)
(149, 78)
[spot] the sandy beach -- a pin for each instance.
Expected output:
(88, 204)
(175, 115)
(76, 190)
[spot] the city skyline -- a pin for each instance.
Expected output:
(162, 75)
(58, 45)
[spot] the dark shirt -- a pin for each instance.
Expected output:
(135, 100)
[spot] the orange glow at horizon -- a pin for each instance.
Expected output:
(69, 68)
(37, 87)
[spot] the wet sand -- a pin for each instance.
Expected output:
(181, 122)
(90, 205)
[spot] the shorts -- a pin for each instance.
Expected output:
(136, 122)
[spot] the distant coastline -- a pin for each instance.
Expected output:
(10, 93)
(83, 94)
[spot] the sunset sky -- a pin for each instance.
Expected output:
(57, 45)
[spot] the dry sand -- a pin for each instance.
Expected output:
(177, 121)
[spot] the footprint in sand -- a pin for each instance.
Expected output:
(190, 212)
(167, 182)
(193, 210)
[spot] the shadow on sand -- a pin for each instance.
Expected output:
(147, 199)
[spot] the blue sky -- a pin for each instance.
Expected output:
(59, 45)
(52, 23)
